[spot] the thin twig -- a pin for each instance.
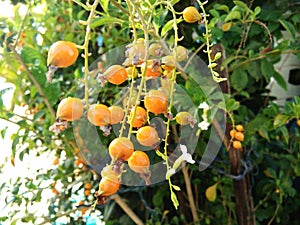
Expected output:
(31, 77)
(127, 209)
(187, 182)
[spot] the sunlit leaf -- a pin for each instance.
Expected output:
(169, 25)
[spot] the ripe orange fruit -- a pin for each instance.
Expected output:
(191, 15)
(120, 148)
(87, 192)
(239, 127)
(239, 136)
(147, 136)
(156, 102)
(62, 54)
(69, 109)
(88, 186)
(140, 117)
(237, 144)
(56, 161)
(232, 133)
(116, 74)
(152, 70)
(116, 114)
(183, 118)
(108, 187)
(298, 122)
(99, 115)
(139, 162)
(168, 62)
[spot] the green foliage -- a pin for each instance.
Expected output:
(272, 136)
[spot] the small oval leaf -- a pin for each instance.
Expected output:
(211, 192)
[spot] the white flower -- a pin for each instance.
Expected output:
(184, 157)
(203, 125)
(204, 106)
(169, 173)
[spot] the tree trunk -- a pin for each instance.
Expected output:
(242, 188)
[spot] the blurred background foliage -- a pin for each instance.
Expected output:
(256, 37)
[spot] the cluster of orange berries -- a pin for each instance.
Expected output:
(237, 136)
(161, 63)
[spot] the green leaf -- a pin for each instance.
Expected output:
(289, 27)
(285, 134)
(104, 5)
(105, 20)
(280, 120)
(280, 80)
(233, 15)
(174, 200)
(176, 188)
(267, 69)
(242, 5)
(239, 79)
(254, 70)
(264, 133)
(221, 7)
(38, 115)
(169, 25)
(232, 104)
(257, 10)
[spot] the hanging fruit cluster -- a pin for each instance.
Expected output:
(144, 63)
(237, 136)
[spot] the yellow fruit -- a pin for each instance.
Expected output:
(211, 192)
(239, 127)
(239, 136)
(183, 118)
(191, 15)
(237, 145)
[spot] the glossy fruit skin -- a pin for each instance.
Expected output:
(156, 102)
(147, 136)
(239, 136)
(298, 122)
(237, 144)
(116, 74)
(182, 53)
(140, 117)
(99, 115)
(62, 54)
(191, 15)
(120, 148)
(69, 109)
(108, 187)
(151, 71)
(232, 133)
(183, 118)
(139, 162)
(88, 186)
(239, 128)
(116, 114)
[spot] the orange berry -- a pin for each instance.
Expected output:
(191, 15)
(152, 71)
(140, 117)
(239, 136)
(69, 109)
(298, 122)
(232, 133)
(239, 128)
(56, 161)
(108, 187)
(116, 114)
(237, 144)
(55, 191)
(87, 192)
(183, 118)
(156, 102)
(88, 186)
(116, 74)
(147, 136)
(120, 148)
(139, 162)
(99, 115)
(62, 54)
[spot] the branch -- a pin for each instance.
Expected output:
(127, 209)
(31, 77)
